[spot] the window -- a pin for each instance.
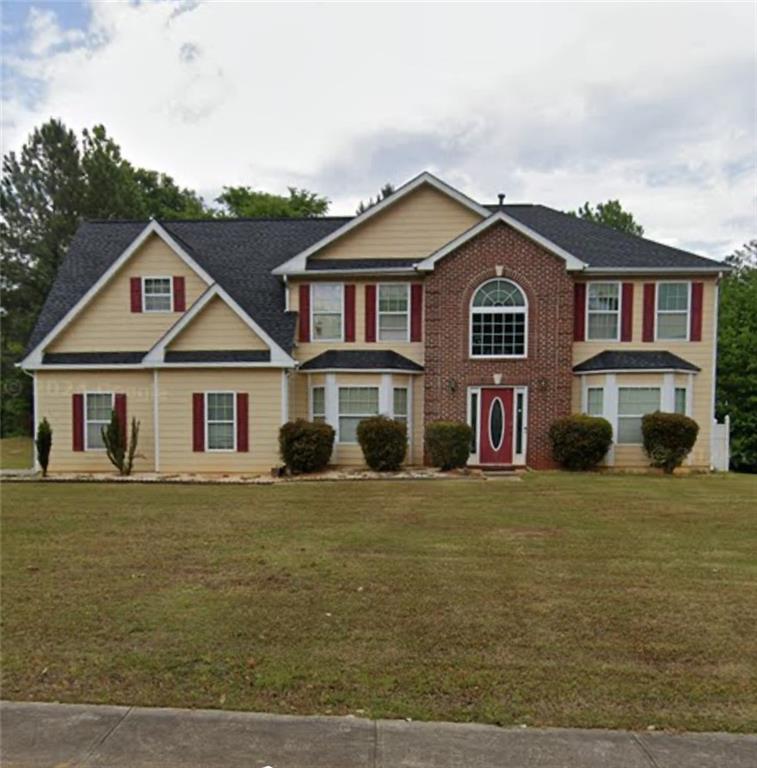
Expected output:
(399, 404)
(595, 401)
(680, 400)
(673, 311)
(220, 421)
(327, 311)
(498, 320)
(157, 295)
(318, 403)
(355, 404)
(98, 413)
(633, 403)
(520, 400)
(603, 311)
(393, 306)
(474, 422)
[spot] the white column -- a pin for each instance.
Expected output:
(332, 400)
(668, 394)
(611, 412)
(35, 408)
(386, 406)
(156, 417)
(284, 396)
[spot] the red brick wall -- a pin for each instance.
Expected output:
(546, 371)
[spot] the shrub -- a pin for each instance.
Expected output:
(305, 446)
(44, 443)
(384, 443)
(668, 438)
(448, 443)
(121, 451)
(580, 441)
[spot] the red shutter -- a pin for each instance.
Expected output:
(135, 285)
(243, 444)
(305, 312)
(179, 294)
(647, 333)
(77, 421)
(370, 313)
(626, 308)
(198, 421)
(119, 406)
(416, 312)
(697, 294)
(349, 313)
(579, 311)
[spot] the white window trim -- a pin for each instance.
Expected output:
(86, 420)
(589, 312)
(379, 312)
(494, 311)
(339, 338)
(658, 311)
(588, 388)
(206, 419)
(618, 415)
(144, 294)
(518, 458)
(311, 409)
(339, 414)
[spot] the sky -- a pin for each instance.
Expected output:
(654, 104)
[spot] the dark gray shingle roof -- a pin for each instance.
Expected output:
(360, 359)
(218, 356)
(635, 360)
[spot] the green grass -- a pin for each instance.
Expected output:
(563, 600)
(16, 453)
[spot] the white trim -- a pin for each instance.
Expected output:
(284, 396)
(635, 370)
(397, 371)
(34, 358)
(339, 339)
(35, 420)
(668, 393)
(298, 263)
(598, 271)
(85, 426)
(611, 414)
(170, 309)
(715, 324)
(331, 403)
(386, 395)
(311, 409)
(657, 309)
(225, 421)
(618, 311)
(156, 417)
(498, 311)
(571, 262)
(407, 313)
(585, 392)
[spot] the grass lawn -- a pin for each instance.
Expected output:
(16, 453)
(564, 600)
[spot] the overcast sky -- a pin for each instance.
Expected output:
(654, 104)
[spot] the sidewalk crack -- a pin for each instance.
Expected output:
(83, 760)
(643, 747)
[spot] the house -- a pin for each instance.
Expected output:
(427, 306)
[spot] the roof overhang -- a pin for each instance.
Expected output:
(716, 270)
(635, 370)
(327, 369)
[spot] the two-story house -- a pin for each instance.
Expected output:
(427, 306)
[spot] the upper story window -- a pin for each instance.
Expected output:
(499, 316)
(393, 312)
(327, 300)
(157, 294)
(603, 312)
(673, 301)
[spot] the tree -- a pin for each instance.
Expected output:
(737, 356)
(164, 199)
(44, 443)
(246, 202)
(120, 450)
(384, 192)
(611, 214)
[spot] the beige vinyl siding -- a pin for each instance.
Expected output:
(264, 388)
(54, 402)
(414, 227)
(107, 323)
(217, 326)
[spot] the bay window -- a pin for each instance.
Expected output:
(633, 404)
(595, 397)
(355, 404)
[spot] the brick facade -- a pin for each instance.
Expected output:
(547, 369)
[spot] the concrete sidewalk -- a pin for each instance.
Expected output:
(74, 735)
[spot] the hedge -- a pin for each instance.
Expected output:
(668, 438)
(306, 446)
(384, 443)
(580, 441)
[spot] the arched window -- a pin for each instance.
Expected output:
(499, 320)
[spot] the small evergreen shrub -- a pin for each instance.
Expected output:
(384, 443)
(668, 438)
(44, 443)
(580, 442)
(306, 446)
(448, 443)
(120, 450)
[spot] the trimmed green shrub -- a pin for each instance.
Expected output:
(306, 446)
(44, 443)
(384, 443)
(580, 442)
(448, 443)
(668, 438)
(121, 451)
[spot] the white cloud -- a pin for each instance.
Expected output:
(652, 104)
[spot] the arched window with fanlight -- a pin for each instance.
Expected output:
(499, 320)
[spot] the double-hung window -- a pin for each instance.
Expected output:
(633, 403)
(595, 401)
(399, 404)
(327, 311)
(355, 404)
(157, 294)
(680, 400)
(220, 421)
(98, 412)
(673, 311)
(603, 312)
(393, 312)
(318, 403)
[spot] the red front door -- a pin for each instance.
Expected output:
(496, 425)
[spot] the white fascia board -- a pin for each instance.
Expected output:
(366, 272)
(635, 370)
(34, 358)
(398, 371)
(572, 263)
(705, 270)
(153, 366)
(298, 263)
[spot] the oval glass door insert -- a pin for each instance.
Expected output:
(496, 423)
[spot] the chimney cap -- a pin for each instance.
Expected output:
(501, 197)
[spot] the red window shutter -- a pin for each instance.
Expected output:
(370, 313)
(179, 294)
(243, 411)
(135, 285)
(198, 422)
(697, 294)
(650, 295)
(416, 312)
(119, 406)
(77, 421)
(579, 311)
(626, 320)
(305, 312)
(349, 313)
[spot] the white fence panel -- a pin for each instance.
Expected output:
(720, 450)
